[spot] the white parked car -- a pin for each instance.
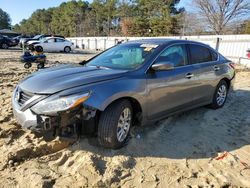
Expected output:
(55, 44)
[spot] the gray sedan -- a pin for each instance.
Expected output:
(134, 83)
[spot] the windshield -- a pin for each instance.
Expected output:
(37, 36)
(128, 56)
(43, 39)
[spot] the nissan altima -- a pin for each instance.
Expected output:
(134, 83)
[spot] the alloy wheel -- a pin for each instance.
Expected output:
(67, 49)
(124, 123)
(221, 95)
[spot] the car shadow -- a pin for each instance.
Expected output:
(198, 133)
(14, 49)
(77, 52)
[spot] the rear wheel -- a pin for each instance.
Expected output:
(114, 124)
(67, 49)
(5, 46)
(40, 65)
(220, 95)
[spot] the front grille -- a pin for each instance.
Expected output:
(23, 97)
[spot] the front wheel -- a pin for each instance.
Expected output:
(27, 65)
(38, 48)
(220, 95)
(114, 124)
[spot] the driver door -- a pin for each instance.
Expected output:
(170, 90)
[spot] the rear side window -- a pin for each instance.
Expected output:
(214, 55)
(51, 40)
(175, 54)
(199, 54)
(60, 40)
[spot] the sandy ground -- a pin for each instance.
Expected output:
(178, 152)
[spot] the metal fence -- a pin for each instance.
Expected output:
(233, 47)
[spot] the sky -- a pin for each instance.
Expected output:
(22, 9)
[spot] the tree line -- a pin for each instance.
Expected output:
(106, 18)
(5, 21)
(136, 18)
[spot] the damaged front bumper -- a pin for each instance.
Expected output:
(30, 120)
(83, 117)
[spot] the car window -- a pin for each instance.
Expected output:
(37, 36)
(60, 40)
(214, 55)
(51, 40)
(176, 54)
(127, 56)
(199, 54)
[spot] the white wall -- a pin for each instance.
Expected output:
(232, 46)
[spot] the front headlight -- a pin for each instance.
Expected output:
(52, 105)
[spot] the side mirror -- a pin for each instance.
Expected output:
(163, 66)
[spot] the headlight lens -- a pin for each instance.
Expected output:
(52, 105)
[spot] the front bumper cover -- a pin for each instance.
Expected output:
(40, 123)
(26, 118)
(30, 120)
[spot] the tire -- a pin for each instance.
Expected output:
(67, 49)
(31, 47)
(40, 65)
(27, 65)
(39, 48)
(220, 95)
(5, 46)
(110, 134)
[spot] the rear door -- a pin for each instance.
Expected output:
(207, 68)
(60, 44)
(172, 90)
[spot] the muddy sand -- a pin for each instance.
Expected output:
(181, 151)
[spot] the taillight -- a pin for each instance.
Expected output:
(232, 65)
(248, 54)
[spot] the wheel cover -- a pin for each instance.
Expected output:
(221, 95)
(124, 123)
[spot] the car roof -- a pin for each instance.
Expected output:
(54, 38)
(162, 41)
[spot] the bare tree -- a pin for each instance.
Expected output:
(192, 24)
(219, 13)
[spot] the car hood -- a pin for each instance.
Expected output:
(33, 41)
(52, 80)
(24, 39)
(30, 40)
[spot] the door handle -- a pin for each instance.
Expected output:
(189, 75)
(216, 68)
